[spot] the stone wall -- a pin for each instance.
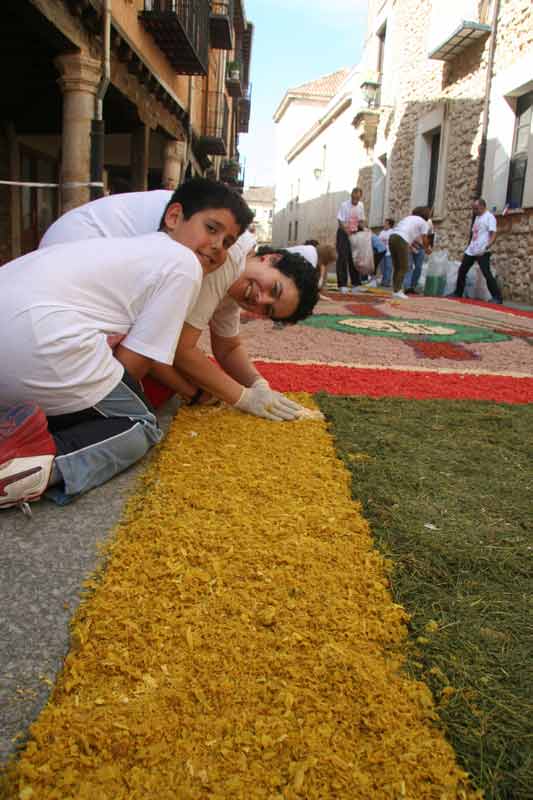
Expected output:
(417, 86)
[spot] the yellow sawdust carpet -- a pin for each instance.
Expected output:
(242, 641)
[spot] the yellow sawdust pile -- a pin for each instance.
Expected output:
(242, 642)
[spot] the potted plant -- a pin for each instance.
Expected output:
(230, 169)
(234, 70)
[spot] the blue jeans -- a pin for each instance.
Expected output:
(98, 443)
(386, 278)
(415, 269)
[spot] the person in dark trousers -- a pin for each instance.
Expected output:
(481, 240)
(350, 215)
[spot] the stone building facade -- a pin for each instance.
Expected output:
(114, 95)
(443, 126)
(438, 111)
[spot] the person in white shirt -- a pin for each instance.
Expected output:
(482, 238)
(320, 256)
(412, 229)
(74, 411)
(281, 290)
(350, 216)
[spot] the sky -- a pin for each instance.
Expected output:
(294, 42)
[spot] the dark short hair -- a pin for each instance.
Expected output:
(390, 221)
(200, 194)
(313, 242)
(303, 275)
(422, 211)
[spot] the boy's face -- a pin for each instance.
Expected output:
(264, 290)
(208, 233)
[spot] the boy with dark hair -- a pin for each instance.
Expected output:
(74, 412)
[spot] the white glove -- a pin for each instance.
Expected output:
(261, 401)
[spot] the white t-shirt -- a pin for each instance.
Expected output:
(384, 237)
(483, 226)
(351, 215)
(308, 251)
(411, 228)
(129, 214)
(58, 305)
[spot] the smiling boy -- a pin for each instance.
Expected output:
(75, 414)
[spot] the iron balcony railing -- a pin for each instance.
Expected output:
(181, 30)
(221, 24)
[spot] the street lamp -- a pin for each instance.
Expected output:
(370, 90)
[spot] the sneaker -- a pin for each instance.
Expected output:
(358, 289)
(400, 295)
(278, 325)
(27, 452)
(372, 284)
(344, 290)
(496, 300)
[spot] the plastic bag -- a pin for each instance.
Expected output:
(451, 276)
(476, 285)
(435, 276)
(362, 252)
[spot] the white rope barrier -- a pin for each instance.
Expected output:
(65, 185)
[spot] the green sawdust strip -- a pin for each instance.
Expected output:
(448, 488)
(242, 642)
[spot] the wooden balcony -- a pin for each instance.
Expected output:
(221, 25)
(243, 113)
(181, 30)
(214, 141)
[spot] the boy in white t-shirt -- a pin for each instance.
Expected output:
(75, 414)
(482, 239)
(238, 383)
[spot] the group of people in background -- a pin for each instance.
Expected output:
(401, 247)
(397, 252)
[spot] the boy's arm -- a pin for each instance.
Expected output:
(134, 363)
(171, 377)
(194, 362)
(233, 357)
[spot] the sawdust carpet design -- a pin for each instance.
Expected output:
(242, 641)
